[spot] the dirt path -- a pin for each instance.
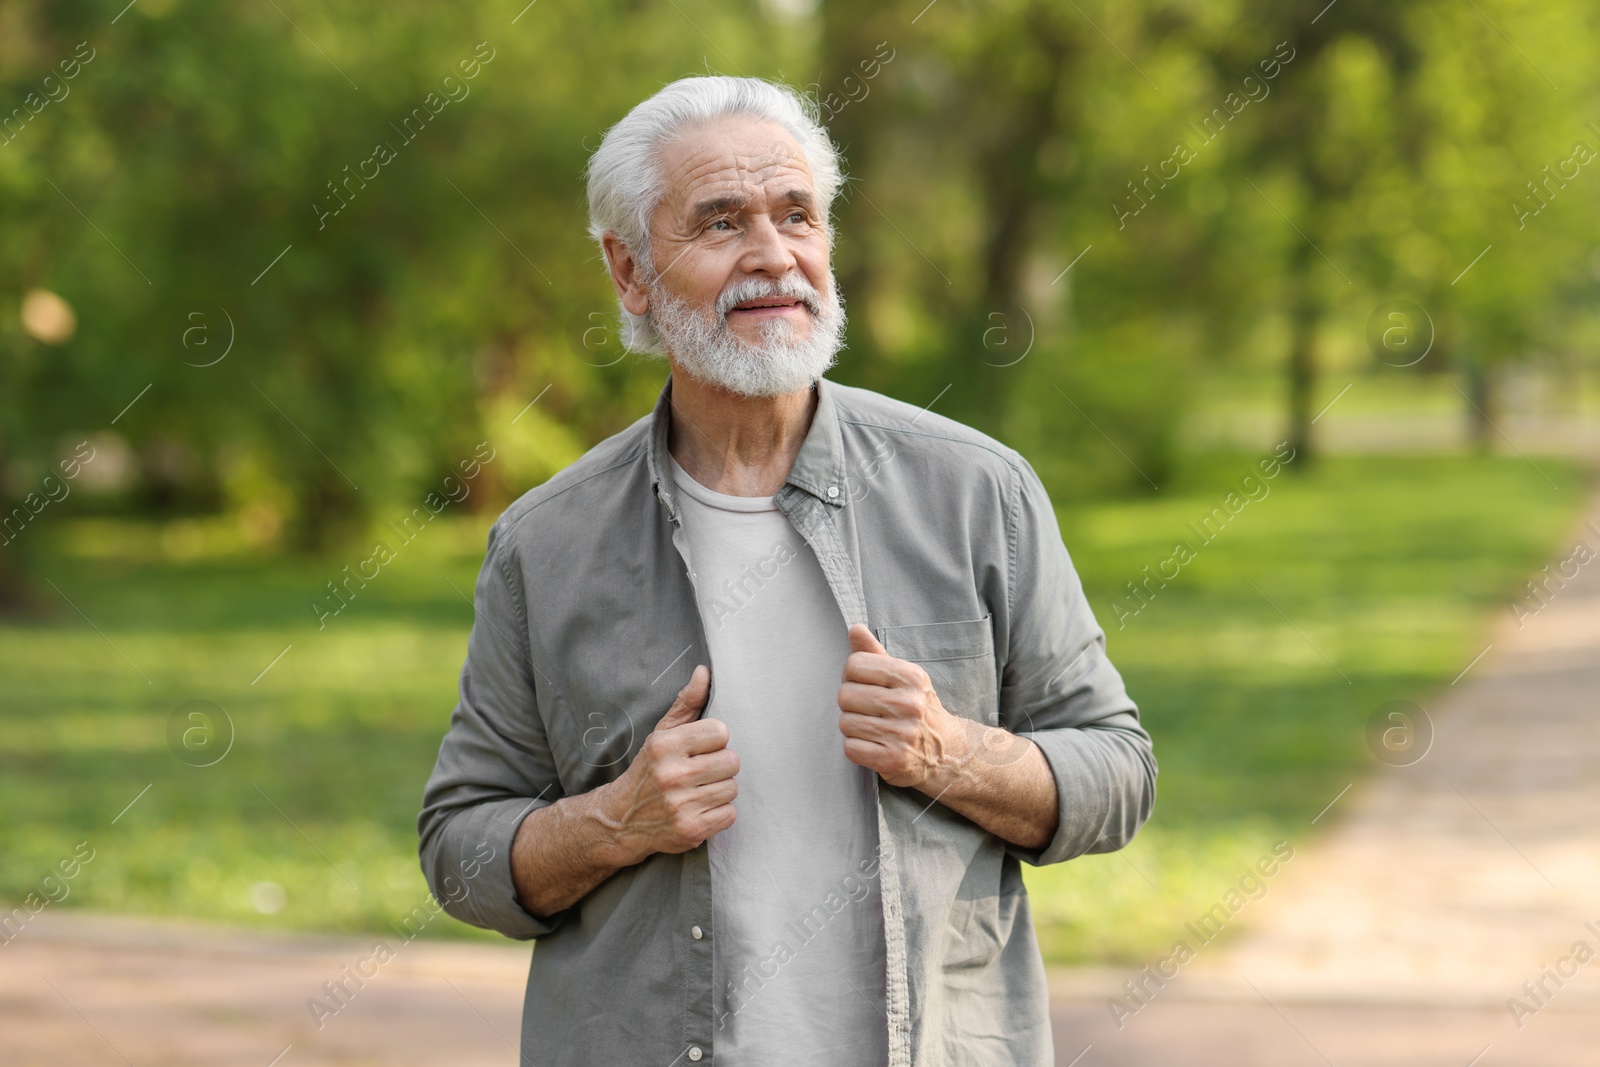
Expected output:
(91, 990)
(1436, 891)
(1404, 933)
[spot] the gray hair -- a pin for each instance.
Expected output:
(624, 174)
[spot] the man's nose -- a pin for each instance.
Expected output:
(765, 251)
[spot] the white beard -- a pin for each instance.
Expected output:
(779, 364)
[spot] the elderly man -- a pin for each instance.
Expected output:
(770, 694)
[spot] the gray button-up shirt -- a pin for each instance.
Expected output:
(938, 537)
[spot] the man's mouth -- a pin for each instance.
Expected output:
(767, 306)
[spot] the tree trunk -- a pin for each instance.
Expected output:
(849, 38)
(17, 596)
(1305, 318)
(1013, 190)
(1480, 414)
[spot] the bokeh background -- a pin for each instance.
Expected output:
(1147, 243)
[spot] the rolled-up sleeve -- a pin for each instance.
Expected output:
(494, 767)
(1059, 690)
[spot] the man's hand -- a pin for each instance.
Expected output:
(892, 720)
(679, 790)
(894, 724)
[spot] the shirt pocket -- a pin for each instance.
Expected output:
(959, 659)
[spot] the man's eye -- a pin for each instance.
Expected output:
(793, 215)
(720, 222)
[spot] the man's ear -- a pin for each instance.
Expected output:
(625, 274)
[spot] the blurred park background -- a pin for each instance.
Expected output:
(1148, 244)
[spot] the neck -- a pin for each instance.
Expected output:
(738, 445)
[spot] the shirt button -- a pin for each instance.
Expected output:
(833, 491)
(695, 1053)
(696, 933)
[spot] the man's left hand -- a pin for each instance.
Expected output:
(892, 720)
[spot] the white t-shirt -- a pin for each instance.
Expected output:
(798, 943)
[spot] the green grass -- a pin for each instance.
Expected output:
(1388, 573)
(332, 745)
(1392, 568)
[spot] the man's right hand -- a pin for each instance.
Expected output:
(679, 789)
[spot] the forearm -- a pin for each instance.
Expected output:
(676, 793)
(999, 780)
(563, 850)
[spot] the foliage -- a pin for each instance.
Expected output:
(200, 181)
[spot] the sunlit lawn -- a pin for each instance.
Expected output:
(1387, 574)
(1384, 576)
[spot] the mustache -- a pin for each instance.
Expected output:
(793, 287)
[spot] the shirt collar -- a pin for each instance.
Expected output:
(818, 468)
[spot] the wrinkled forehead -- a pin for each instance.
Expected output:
(730, 157)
